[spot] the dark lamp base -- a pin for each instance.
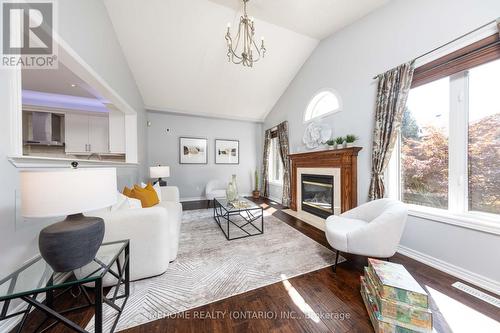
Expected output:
(72, 243)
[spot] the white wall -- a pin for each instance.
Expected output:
(163, 148)
(85, 26)
(347, 62)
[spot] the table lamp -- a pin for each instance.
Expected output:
(74, 242)
(159, 172)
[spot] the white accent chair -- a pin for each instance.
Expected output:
(373, 229)
(215, 189)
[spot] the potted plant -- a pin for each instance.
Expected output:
(350, 139)
(331, 144)
(340, 142)
(256, 192)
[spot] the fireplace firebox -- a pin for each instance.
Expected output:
(317, 194)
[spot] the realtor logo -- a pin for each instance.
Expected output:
(27, 34)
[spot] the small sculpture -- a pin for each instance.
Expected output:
(316, 134)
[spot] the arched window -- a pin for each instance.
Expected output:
(325, 102)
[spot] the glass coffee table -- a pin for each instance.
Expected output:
(37, 285)
(240, 219)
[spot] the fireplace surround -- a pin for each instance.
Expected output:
(344, 160)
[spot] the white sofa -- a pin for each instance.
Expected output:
(153, 233)
(373, 229)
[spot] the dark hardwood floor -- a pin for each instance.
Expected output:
(334, 297)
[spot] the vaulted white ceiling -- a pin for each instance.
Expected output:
(177, 52)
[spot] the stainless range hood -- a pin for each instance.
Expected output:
(43, 128)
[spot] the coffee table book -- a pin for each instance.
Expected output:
(395, 283)
(382, 324)
(399, 311)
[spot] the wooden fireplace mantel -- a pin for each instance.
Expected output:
(346, 159)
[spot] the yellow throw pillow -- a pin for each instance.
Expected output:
(147, 195)
(127, 192)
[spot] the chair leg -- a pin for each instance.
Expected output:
(336, 261)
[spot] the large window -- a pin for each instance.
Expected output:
(275, 163)
(450, 137)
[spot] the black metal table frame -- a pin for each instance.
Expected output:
(122, 276)
(220, 212)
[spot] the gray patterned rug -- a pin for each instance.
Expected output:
(210, 268)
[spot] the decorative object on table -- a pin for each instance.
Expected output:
(232, 190)
(244, 53)
(74, 242)
(159, 172)
(256, 192)
(316, 134)
(350, 139)
(340, 142)
(34, 278)
(193, 150)
(332, 144)
(227, 151)
(394, 300)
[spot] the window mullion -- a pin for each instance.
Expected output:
(457, 143)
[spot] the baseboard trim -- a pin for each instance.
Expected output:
(459, 272)
(205, 198)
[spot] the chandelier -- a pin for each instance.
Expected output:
(245, 50)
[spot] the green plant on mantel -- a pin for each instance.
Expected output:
(330, 142)
(339, 140)
(350, 138)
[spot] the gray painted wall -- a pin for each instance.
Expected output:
(163, 148)
(348, 60)
(85, 26)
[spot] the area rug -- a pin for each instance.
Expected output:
(210, 268)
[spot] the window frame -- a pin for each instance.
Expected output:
(311, 100)
(458, 207)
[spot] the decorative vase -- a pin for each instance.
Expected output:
(232, 190)
(331, 147)
(256, 194)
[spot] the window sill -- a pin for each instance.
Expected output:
(472, 221)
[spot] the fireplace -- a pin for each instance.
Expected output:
(317, 194)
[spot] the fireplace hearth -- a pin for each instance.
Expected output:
(317, 194)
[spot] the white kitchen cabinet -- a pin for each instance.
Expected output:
(98, 134)
(116, 131)
(76, 133)
(86, 134)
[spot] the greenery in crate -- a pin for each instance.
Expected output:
(339, 140)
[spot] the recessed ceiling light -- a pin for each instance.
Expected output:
(73, 85)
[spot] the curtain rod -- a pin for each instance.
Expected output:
(453, 41)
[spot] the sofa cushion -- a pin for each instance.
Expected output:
(338, 229)
(147, 195)
(156, 187)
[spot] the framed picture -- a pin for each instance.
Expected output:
(193, 151)
(227, 151)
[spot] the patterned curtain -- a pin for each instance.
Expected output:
(265, 164)
(284, 150)
(393, 89)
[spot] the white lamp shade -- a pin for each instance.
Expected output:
(159, 171)
(67, 191)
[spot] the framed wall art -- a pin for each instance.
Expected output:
(227, 151)
(193, 150)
